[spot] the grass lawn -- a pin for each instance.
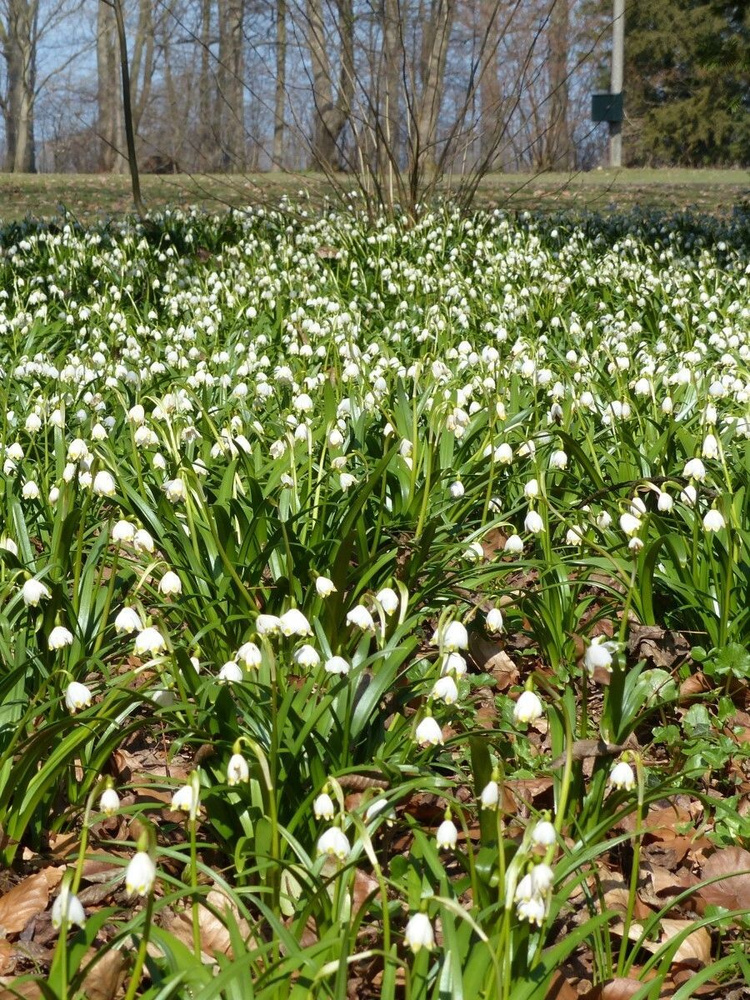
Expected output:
(89, 195)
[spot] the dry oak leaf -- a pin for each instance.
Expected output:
(103, 979)
(732, 890)
(24, 901)
(695, 949)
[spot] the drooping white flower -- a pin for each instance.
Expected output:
(445, 690)
(231, 673)
(185, 799)
(34, 591)
(695, 469)
(665, 502)
(447, 835)
(30, 490)
(67, 908)
(104, 484)
(238, 770)
(452, 637)
(59, 638)
(474, 552)
(494, 621)
(140, 874)
(388, 600)
(170, 584)
(528, 708)
(533, 522)
(8, 545)
(543, 834)
(123, 531)
(293, 622)
(33, 423)
(142, 541)
(428, 733)
(629, 523)
(490, 795)
(346, 481)
(453, 663)
(710, 447)
(534, 910)
(334, 843)
(337, 665)
(513, 545)
(174, 490)
(109, 802)
(77, 696)
(714, 520)
(531, 489)
(456, 489)
(361, 618)
(249, 655)
(542, 879)
(622, 776)
(150, 640)
(307, 656)
(267, 624)
(558, 460)
(324, 586)
(323, 807)
(418, 933)
(597, 655)
(128, 620)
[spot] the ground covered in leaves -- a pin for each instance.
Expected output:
(375, 606)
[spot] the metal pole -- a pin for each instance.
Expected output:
(618, 59)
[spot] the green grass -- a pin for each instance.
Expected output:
(89, 196)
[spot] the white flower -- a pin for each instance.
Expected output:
(490, 795)
(67, 908)
(379, 805)
(533, 522)
(30, 490)
(597, 655)
(714, 520)
(307, 656)
(622, 776)
(453, 663)
(303, 403)
(337, 665)
(174, 490)
(323, 807)
(528, 708)
(186, 800)
(710, 447)
(474, 552)
(695, 469)
(388, 600)
(231, 673)
(531, 489)
(249, 655)
(77, 696)
(456, 489)
(428, 733)
(346, 481)
(140, 874)
(33, 591)
(9, 546)
(513, 545)
(689, 495)
(238, 770)
(603, 520)
(558, 460)
(324, 586)
(77, 450)
(142, 541)
(543, 834)
(524, 889)
(109, 802)
(335, 438)
(419, 934)
(334, 843)
(59, 637)
(104, 484)
(267, 624)
(123, 531)
(136, 414)
(170, 584)
(445, 690)
(33, 423)
(665, 502)
(452, 637)
(128, 620)
(277, 449)
(150, 640)
(293, 622)
(635, 544)
(534, 910)
(447, 835)
(629, 523)
(494, 621)
(542, 878)
(362, 618)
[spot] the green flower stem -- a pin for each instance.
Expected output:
(623, 962)
(135, 979)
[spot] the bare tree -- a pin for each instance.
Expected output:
(19, 36)
(280, 86)
(331, 102)
(230, 109)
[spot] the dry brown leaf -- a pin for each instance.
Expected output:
(24, 901)
(215, 937)
(561, 989)
(6, 951)
(694, 685)
(103, 979)
(733, 890)
(695, 949)
(31, 991)
(616, 989)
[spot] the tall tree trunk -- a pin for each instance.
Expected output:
(491, 123)
(435, 38)
(280, 92)
(387, 137)
(110, 124)
(19, 51)
(231, 110)
(331, 111)
(558, 144)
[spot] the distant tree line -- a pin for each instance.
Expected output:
(396, 91)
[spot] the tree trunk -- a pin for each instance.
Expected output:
(491, 125)
(19, 51)
(280, 85)
(435, 38)
(110, 125)
(331, 113)
(231, 97)
(387, 136)
(558, 145)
